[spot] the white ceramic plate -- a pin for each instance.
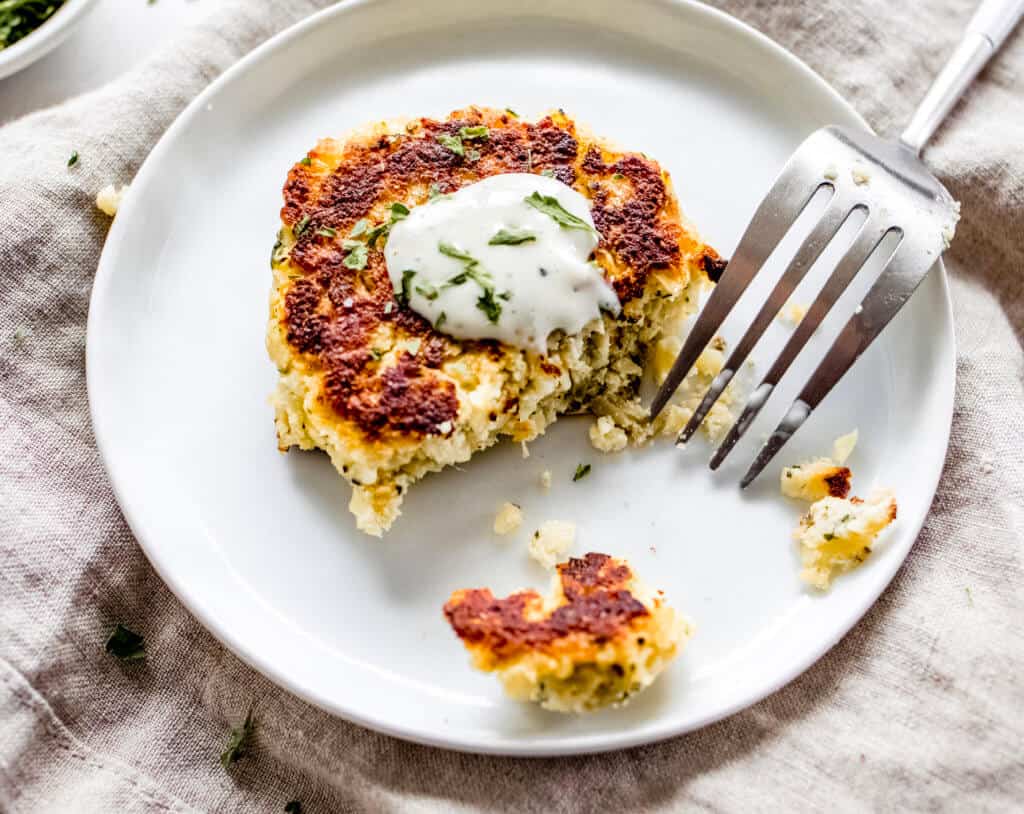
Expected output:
(45, 38)
(261, 547)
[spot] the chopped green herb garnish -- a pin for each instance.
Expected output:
(511, 237)
(356, 257)
(327, 231)
(435, 192)
(126, 644)
(453, 143)
(511, 112)
(399, 211)
(427, 290)
(550, 206)
(376, 353)
(293, 807)
(618, 176)
(300, 225)
(829, 536)
(485, 302)
(454, 251)
(238, 742)
(74, 159)
(473, 155)
(305, 162)
(406, 292)
(441, 321)
(582, 470)
(279, 253)
(361, 226)
(548, 173)
(505, 295)
(475, 132)
(844, 518)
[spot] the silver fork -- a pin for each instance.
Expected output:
(901, 198)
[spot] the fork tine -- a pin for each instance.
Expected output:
(889, 293)
(863, 246)
(767, 227)
(811, 248)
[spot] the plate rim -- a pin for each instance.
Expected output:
(571, 745)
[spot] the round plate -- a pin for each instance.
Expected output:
(260, 546)
(45, 38)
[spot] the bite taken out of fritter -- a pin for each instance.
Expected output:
(601, 637)
(388, 395)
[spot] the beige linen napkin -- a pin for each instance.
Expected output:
(918, 708)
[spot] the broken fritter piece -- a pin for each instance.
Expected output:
(837, 535)
(599, 639)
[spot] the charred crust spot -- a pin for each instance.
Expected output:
(634, 230)
(713, 265)
(337, 313)
(598, 606)
(838, 482)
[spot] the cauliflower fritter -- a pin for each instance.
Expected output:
(388, 397)
(600, 638)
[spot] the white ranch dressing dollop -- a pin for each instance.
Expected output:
(483, 263)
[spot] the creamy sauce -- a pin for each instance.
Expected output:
(483, 263)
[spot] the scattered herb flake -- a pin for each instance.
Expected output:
(428, 290)
(356, 258)
(473, 155)
(435, 192)
(511, 237)
(486, 303)
(399, 211)
(511, 112)
(300, 225)
(406, 292)
(305, 161)
(74, 159)
(126, 644)
(453, 143)
(440, 321)
(361, 227)
(327, 231)
(451, 250)
(475, 132)
(238, 742)
(829, 536)
(376, 353)
(548, 173)
(550, 206)
(582, 470)
(618, 176)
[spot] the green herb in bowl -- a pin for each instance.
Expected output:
(19, 18)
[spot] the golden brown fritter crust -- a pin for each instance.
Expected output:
(597, 605)
(333, 314)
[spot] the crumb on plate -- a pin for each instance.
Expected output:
(508, 518)
(552, 541)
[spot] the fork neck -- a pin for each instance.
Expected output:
(967, 60)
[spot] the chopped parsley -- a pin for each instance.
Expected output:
(441, 321)
(582, 470)
(455, 252)
(511, 112)
(126, 644)
(357, 256)
(435, 192)
(428, 290)
(327, 231)
(238, 742)
(406, 292)
(548, 173)
(473, 155)
(399, 211)
(844, 518)
(476, 132)
(486, 303)
(453, 143)
(19, 18)
(376, 353)
(74, 159)
(550, 206)
(511, 237)
(472, 271)
(618, 176)
(360, 228)
(279, 253)
(305, 162)
(829, 536)
(300, 225)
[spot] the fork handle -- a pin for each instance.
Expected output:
(988, 29)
